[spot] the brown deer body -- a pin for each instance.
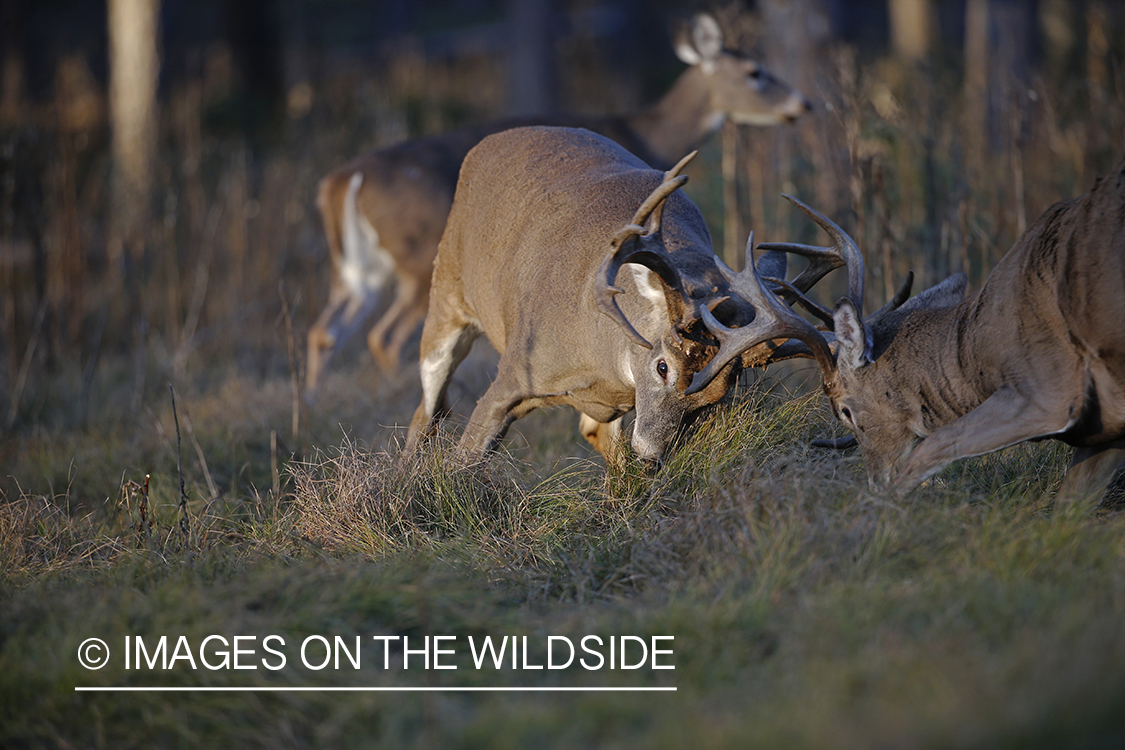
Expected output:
(1038, 352)
(384, 212)
(543, 223)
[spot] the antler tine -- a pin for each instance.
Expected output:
(791, 349)
(773, 320)
(775, 260)
(680, 165)
(903, 292)
(652, 257)
(654, 204)
(733, 278)
(791, 295)
(823, 260)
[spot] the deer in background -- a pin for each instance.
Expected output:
(384, 212)
(532, 256)
(1038, 352)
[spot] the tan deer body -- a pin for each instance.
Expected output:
(543, 222)
(384, 212)
(1038, 352)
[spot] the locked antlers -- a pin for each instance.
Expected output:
(772, 320)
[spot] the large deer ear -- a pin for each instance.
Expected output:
(853, 344)
(946, 294)
(773, 264)
(700, 43)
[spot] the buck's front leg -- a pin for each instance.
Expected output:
(505, 401)
(446, 340)
(1005, 418)
(1090, 472)
(604, 436)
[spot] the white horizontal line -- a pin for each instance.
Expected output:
(292, 689)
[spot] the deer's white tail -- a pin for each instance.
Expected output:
(366, 265)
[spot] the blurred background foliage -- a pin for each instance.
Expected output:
(159, 158)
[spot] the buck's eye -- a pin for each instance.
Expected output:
(755, 74)
(662, 369)
(847, 413)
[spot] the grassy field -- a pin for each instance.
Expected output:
(805, 610)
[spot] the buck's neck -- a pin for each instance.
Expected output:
(681, 120)
(936, 360)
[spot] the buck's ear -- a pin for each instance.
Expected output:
(946, 294)
(773, 264)
(853, 345)
(701, 42)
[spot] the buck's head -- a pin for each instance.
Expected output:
(874, 381)
(740, 88)
(877, 388)
(710, 320)
(676, 286)
(664, 374)
(866, 395)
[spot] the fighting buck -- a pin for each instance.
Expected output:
(384, 212)
(543, 222)
(1038, 352)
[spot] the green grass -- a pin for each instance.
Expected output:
(806, 611)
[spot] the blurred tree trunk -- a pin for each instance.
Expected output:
(912, 28)
(532, 70)
(1001, 50)
(1098, 29)
(976, 77)
(1100, 71)
(1063, 36)
(796, 39)
(134, 64)
(12, 14)
(1001, 47)
(253, 29)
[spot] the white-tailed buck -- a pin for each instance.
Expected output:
(532, 256)
(384, 212)
(1038, 352)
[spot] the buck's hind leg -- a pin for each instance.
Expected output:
(1090, 472)
(604, 436)
(446, 340)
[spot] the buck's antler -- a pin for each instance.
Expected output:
(822, 260)
(845, 252)
(772, 320)
(651, 255)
